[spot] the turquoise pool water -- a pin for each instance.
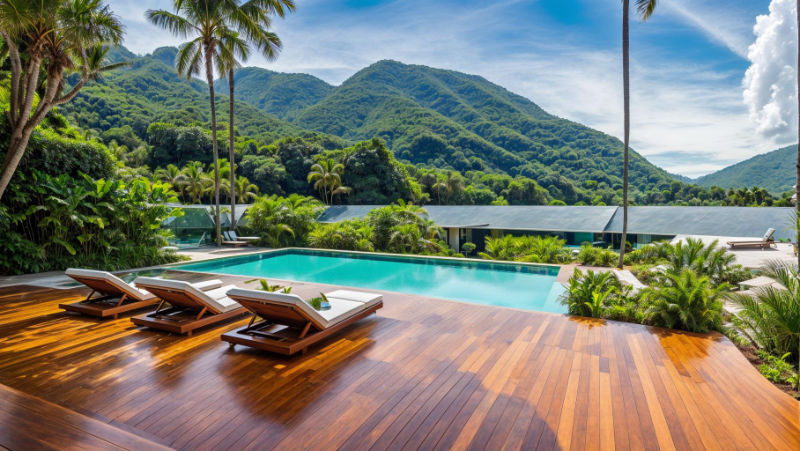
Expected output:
(503, 284)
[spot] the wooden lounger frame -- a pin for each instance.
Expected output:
(284, 329)
(107, 306)
(759, 244)
(181, 320)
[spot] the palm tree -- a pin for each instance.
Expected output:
(235, 49)
(210, 22)
(645, 8)
(245, 190)
(50, 38)
(172, 175)
(195, 181)
(797, 164)
(327, 179)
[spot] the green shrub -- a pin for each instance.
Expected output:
(281, 221)
(685, 300)
(771, 318)
(589, 255)
(468, 248)
(52, 223)
(534, 249)
(590, 293)
(352, 235)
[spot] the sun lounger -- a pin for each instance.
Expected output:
(233, 236)
(227, 240)
(190, 308)
(766, 241)
(290, 325)
(115, 295)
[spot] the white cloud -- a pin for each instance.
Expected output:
(770, 84)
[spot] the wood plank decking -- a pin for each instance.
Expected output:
(423, 373)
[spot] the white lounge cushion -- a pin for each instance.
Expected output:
(341, 309)
(216, 300)
(108, 284)
(368, 299)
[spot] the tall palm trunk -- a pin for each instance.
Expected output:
(797, 165)
(627, 114)
(231, 154)
(210, 79)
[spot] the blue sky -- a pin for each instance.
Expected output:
(688, 61)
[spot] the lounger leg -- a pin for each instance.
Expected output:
(122, 299)
(88, 298)
(158, 309)
(305, 330)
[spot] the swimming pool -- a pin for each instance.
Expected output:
(530, 287)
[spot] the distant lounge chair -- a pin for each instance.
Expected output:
(766, 241)
(290, 325)
(190, 308)
(228, 240)
(232, 235)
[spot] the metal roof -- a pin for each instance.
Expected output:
(715, 221)
(539, 218)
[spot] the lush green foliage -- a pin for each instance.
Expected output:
(709, 260)
(685, 300)
(400, 228)
(777, 369)
(594, 256)
(589, 293)
(282, 221)
(53, 222)
(771, 316)
(510, 152)
(534, 249)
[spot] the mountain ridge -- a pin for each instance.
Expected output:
(773, 171)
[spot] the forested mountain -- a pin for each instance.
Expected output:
(444, 118)
(150, 90)
(450, 138)
(283, 95)
(773, 171)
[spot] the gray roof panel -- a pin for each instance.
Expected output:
(715, 221)
(540, 218)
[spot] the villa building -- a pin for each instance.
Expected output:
(599, 225)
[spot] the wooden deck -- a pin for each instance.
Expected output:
(421, 374)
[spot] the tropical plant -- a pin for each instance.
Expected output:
(195, 181)
(283, 221)
(770, 317)
(49, 39)
(685, 300)
(645, 8)
(53, 222)
(394, 224)
(172, 175)
(326, 176)
(244, 190)
(213, 24)
(535, 249)
(590, 293)
(595, 256)
(352, 235)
